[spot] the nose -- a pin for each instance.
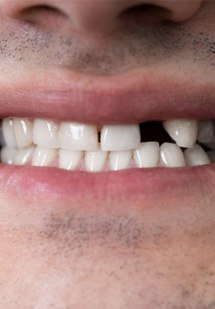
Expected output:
(99, 17)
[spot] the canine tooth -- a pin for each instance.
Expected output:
(211, 155)
(24, 156)
(205, 131)
(8, 155)
(45, 134)
(95, 160)
(147, 155)
(8, 133)
(120, 137)
(120, 160)
(196, 156)
(171, 155)
(43, 156)
(182, 131)
(77, 136)
(23, 132)
(69, 159)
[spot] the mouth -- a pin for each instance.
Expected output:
(128, 152)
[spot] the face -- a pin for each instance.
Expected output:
(108, 142)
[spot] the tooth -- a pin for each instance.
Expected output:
(171, 155)
(95, 160)
(147, 155)
(45, 134)
(77, 136)
(196, 156)
(182, 131)
(23, 132)
(8, 133)
(120, 160)
(211, 155)
(43, 156)
(8, 155)
(211, 145)
(24, 156)
(70, 160)
(205, 131)
(120, 137)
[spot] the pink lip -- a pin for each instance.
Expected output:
(99, 100)
(127, 186)
(106, 100)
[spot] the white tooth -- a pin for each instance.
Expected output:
(45, 134)
(196, 156)
(120, 137)
(24, 156)
(171, 155)
(95, 160)
(8, 155)
(120, 160)
(69, 160)
(147, 155)
(77, 136)
(182, 131)
(205, 131)
(8, 133)
(23, 132)
(43, 156)
(211, 155)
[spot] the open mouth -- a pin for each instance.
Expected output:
(109, 139)
(91, 148)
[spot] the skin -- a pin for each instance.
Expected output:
(104, 252)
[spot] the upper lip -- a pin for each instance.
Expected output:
(129, 98)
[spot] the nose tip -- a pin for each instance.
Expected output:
(94, 17)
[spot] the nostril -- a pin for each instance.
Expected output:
(145, 13)
(43, 15)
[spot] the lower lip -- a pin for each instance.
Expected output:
(121, 186)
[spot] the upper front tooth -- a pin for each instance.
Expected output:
(205, 131)
(23, 132)
(45, 134)
(8, 133)
(120, 137)
(76, 136)
(171, 155)
(183, 132)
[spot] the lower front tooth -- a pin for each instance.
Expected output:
(147, 155)
(196, 156)
(205, 131)
(43, 157)
(211, 155)
(24, 156)
(95, 160)
(8, 155)
(171, 155)
(70, 160)
(119, 160)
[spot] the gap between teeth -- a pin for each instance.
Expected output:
(76, 146)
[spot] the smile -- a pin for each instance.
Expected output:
(91, 148)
